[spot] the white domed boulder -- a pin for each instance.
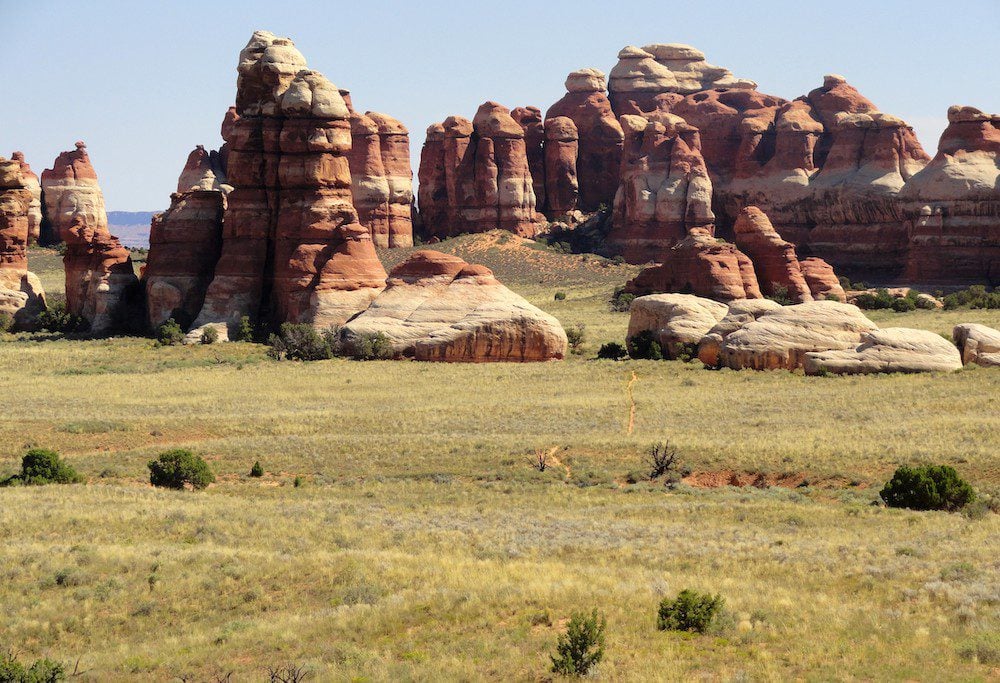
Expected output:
(894, 349)
(781, 338)
(437, 307)
(676, 321)
(978, 344)
(741, 312)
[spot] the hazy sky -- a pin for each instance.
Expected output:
(143, 83)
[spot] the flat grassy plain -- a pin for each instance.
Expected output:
(421, 544)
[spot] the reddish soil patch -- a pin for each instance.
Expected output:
(763, 480)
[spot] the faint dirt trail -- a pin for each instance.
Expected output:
(631, 403)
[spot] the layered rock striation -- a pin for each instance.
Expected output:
(437, 307)
(99, 271)
(21, 295)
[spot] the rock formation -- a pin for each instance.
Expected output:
(774, 260)
(185, 241)
(394, 145)
(437, 307)
(978, 344)
(292, 247)
(741, 312)
(99, 273)
(894, 349)
(530, 120)
(33, 186)
(599, 137)
(562, 146)
(478, 177)
(823, 282)
(665, 190)
(369, 183)
(677, 321)
(953, 204)
(781, 337)
(21, 294)
(701, 265)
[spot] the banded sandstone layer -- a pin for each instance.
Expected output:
(21, 294)
(99, 273)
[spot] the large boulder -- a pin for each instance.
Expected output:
(978, 344)
(99, 272)
(678, 322)
(894, 349)
(781, 338)
(701, 265)
(739, 313)
(437, 307)
(21, 294)
(822, 280)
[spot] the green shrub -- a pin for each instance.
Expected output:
(621, 300)
(244, 331)
(779, 293)
(927, 487)
(576, 335)
(689, 611)
(6, 323)
(904, 305)
(881, 299)
(612, 351)
(178, 467)
(169, 333)
(55, 318)
(560, 296)
(581, 648)
(301, 341)
(40, 671)
(975, 296)
(257, 470)
(644, 346)
(210, 334)
(373, 346)
(41, 466)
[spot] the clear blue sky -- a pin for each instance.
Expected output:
(143, 83)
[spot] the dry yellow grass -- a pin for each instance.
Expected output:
(424, 546)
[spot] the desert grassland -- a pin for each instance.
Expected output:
(422, 545)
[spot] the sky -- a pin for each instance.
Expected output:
(142, 83)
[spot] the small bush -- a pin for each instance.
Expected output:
(301, 341)
(375, 346)
(560, 296)
(644, 346)
(927, 487)
(40, 671)
(209, 335)
(663, 459)
(779, 293)
(581, 648)
(55, 318)
(169, 333)
(973, 297)
(6, 323)
(41, 466)
(904, 305)
(257, 470)
(612, 351)
(689, 611)
(576, 335)
(244, 331)
(881, 299)
(621, 300)
(178, 467)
